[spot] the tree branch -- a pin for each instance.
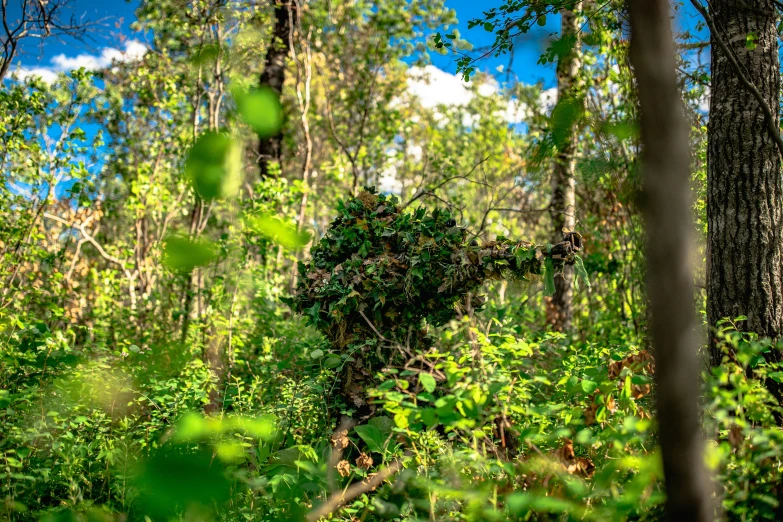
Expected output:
(338, 500)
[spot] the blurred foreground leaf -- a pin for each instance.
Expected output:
(214, 165)
(279, 231)
(261, 109)
(174, 478)
(194, 427)
(183, 254)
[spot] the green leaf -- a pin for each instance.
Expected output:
(183, 254)
(383, 423)
(751, 41)
(589, 386)
(206, 54)
(581, 273)
(260, 109)
(214, 165)
(279, 231)
(372, 436)
(549, 277)
(776, 376)
(332, 362)
(427, 382)
(176, 477)
(641, 379)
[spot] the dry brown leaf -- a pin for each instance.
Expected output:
(566, 453)
(340, 439)
(343, 468)
(590, 414)
(581, 466)
(735, 436)
(640, 390)
(364, 461)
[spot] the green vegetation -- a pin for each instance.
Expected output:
(371, 328)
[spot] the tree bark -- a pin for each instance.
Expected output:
(273, 76)
(744, 184)
(669, 223)
(559, 311)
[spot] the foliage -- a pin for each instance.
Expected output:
(149, 369)
(405, 269)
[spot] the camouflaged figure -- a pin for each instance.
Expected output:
(380, 277)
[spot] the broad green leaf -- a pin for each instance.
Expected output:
(183, 254)
(174, 478)
(214, 165)
(205, 54)
(581, 273)
(372, 436)
(279, 231)
(549, 277)
(589, 386)
(260, 109)
(427, 382)
(383, 423)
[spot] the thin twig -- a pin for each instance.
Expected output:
(373, 327)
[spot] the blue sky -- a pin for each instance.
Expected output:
(117, 15)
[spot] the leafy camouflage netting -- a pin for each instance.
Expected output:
(380, 275)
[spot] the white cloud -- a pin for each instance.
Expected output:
(45, 73)
(548, 98)
(434, 87)
(134, 50)
(488, 88)
(519, 112)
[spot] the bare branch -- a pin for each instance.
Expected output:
(38, 19)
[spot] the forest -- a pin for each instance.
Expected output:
(405, 260)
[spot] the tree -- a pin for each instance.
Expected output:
(744, 184)
(36, 19)
(273, 75)
(563, 202)
(667, 211)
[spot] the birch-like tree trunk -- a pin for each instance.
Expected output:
(744, 183)
(559, 312)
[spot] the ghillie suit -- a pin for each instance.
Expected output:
(380, 276)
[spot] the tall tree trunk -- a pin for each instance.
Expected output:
(563, 203)
(669, 224)
(273, 76)
(744, 184)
